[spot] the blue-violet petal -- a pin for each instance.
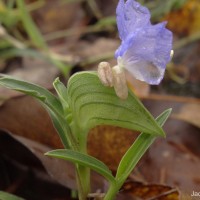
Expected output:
(145, 48)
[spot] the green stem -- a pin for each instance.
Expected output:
(82, 172)
(112, 191)
(83, 180)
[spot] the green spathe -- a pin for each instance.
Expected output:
(93, 104)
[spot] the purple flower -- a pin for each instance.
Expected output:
(145, 48)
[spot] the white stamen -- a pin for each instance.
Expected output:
(120, 84)
(105, 74)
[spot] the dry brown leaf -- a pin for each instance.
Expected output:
(174, 161)
(109, 144)
(24, 116)
(141, 191)
(189, 113)
(32, 70)
(58, 15)
(61, 171)
(100, 48)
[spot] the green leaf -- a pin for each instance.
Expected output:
(137, 150)
(36, 37)
(162, 118)
(33, 90)
(51, 103)
(47, 56)
(84, 160)
(7, 196)
(93, 104)
(62, 93)
(63, 129)
(11, 52)
(30, 26)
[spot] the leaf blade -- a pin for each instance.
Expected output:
(84, 160)
(137, 149)
(30, 26)
(62, 93)
(31, 89)
(86, 94)
(7, 196)
(49, 101)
